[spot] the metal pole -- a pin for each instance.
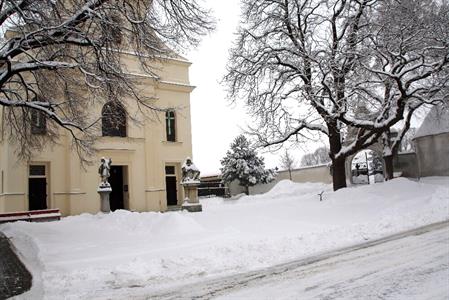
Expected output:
(367, 165)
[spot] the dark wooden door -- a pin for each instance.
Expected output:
(170, 185)
(37, 193)
(116, 182)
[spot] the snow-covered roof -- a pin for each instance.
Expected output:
(436, 122)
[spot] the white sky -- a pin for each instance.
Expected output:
(216, 122)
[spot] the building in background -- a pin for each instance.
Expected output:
(432, 143)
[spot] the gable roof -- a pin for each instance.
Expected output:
(436, 122)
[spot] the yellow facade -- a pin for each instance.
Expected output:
(143, 154)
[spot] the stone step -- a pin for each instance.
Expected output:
(174, 208)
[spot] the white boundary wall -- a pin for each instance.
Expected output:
(318, 173)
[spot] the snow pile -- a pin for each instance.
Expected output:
(125, 254)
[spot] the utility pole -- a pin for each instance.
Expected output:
(367, 165)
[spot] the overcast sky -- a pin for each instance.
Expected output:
(215, 122)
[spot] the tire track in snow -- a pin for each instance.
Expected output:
(295, 269)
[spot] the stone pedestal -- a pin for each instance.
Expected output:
(104, 190)
(191, 201)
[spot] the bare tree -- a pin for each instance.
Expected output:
(58, 59)
(407, 144)
(318, 157)
(303, 66)
(393, 144)
(288, 162)
(407, 26)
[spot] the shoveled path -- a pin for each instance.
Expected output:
(14, 277)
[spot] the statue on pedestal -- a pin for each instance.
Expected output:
(190, 172)
(190, 181)
(104, 171)
(104, 188)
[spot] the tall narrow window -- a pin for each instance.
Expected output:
(38, 122)
(170, 126)
(113, 120)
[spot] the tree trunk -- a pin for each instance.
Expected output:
(388, 167)
(290, 173)
(338, 165)
(247, 190)
(338, 174)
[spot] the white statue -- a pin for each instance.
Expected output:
(104, 171)
(189, 171)
(190, 182)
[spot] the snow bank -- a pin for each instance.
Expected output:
(125, 254)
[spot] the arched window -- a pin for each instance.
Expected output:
(113, 117)
(170, 126)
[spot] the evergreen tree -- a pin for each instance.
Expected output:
(242, 163)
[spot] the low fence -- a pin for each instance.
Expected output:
(211, 191)
(212, 186)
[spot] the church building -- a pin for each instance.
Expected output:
(146, 158)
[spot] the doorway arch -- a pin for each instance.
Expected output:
(366, 166)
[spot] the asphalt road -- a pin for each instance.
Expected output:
(408, 265)
(14, 277)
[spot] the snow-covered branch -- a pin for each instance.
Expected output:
(70, 55)
(327, 59)
(302, 126)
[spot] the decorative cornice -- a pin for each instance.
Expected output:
(164, 84)
(69, 193)
(154, 190)
(12, 194)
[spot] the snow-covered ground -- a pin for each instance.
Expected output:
(413, 267)
(123, 254)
